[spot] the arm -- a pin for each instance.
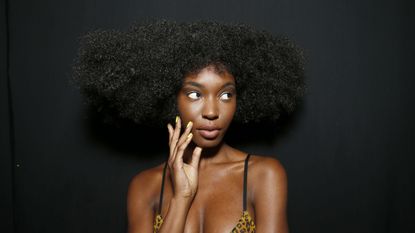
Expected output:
(140, 212)
(140, 206)
(184, 177)
(270, 197)
(185, 181)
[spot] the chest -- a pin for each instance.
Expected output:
(217, 206)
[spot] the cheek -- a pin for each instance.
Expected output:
(230, 109)
(188, 110)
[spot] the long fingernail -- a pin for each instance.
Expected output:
(177, 119)
(190, 135)
(189, 124)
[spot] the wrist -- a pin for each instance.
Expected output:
(181, 202)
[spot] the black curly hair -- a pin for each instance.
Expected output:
(136, 74)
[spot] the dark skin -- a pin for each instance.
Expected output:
(203, 187)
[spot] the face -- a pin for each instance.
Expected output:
(208, 99)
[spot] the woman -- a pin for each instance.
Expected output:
(206, 74)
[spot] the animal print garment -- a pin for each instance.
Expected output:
(245, 224)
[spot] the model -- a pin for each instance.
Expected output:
(195, 79)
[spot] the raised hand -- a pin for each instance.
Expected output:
(184, 176)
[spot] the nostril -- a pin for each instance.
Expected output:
(210, 116)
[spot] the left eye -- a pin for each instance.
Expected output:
(226, 96)
(193, 95)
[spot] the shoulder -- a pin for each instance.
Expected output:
(264, 171)
(266, 166)
(269, 194)
(145, 185)
(142, 197)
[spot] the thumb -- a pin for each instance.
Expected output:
(196, 157)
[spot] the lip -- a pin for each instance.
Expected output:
(209, 131)
(208, 127)
(209, 134)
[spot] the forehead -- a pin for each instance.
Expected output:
(209, 77)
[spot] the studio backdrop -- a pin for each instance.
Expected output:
(348, 149)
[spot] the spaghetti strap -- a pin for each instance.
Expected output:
(244, 188)
(244, 224)
(245, 181)
(162, 188)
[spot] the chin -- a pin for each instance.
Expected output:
(204, 143)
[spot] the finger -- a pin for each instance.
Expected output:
(196, 157)
(171, 130)
(177, 128)
(175, 138)
(185, 133)
(184, 136)
(181, 148)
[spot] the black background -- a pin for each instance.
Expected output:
(348, 150)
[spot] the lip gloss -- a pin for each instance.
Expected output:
(209, 134)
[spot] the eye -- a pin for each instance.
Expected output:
(226, 96)
(193, 95)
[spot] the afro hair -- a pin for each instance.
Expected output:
(136, 74)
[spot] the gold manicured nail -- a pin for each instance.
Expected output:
(190, 135)
(177, 119)
(188, 124)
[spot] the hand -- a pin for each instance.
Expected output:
(184, 176)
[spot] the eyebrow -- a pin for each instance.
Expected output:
(201, 86)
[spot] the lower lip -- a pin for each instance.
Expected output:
(209, 134)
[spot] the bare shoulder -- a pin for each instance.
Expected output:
(146, 184)
(268, 194)
(142, 198)
(265, 170)
(265, 164)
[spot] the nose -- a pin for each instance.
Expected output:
(210, 109)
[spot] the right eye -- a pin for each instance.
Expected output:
(193, 95)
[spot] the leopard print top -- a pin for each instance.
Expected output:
(245, 224)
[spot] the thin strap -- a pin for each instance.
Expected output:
(162, 188)
(245, 180)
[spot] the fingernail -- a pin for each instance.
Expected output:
(177, 119)
(190, 135)
(188, 124)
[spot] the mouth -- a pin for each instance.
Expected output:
(209, 132)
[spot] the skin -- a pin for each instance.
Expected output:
(203, 187)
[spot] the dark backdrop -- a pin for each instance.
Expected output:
(348, 150)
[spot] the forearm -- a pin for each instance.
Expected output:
(175, 218)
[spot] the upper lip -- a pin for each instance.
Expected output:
(208, 127)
